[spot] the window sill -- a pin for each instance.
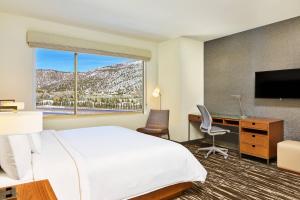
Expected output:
(71, 116)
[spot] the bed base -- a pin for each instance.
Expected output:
(166, 193)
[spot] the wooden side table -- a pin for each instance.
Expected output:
(36, 190)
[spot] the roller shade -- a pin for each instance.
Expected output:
(51, 41)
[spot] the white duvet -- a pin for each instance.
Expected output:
(112, 163)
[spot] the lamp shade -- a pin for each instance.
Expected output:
(24, 122)
(156, 92)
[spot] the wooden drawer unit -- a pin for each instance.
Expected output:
(254, 150)
(255, 125)
(254, 139)
(259, 137)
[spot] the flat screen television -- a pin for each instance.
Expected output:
(278, 84)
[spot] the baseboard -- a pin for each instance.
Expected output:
(288, 170)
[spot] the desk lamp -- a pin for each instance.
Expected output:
(239, 98)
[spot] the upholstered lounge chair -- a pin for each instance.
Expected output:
(157, 123)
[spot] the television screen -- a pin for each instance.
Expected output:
(278, 84)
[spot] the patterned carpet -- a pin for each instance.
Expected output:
(242, 179)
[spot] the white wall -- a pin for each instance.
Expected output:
(17, 68)
(180, 74)
(182, 84)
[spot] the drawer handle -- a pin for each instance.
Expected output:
(253, 145)
(253, 123)
(253, 135)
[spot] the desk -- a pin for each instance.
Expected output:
(257, 136)
(218, 119)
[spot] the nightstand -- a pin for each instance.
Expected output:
(36, 190)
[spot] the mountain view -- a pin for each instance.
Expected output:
(118, 87)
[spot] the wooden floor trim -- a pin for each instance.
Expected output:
(166, 193)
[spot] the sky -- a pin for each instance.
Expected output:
(64, 60)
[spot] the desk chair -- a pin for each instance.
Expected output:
(157, 123)
(206, 127)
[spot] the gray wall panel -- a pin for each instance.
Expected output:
(230, 64)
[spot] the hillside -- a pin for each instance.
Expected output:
(121, 79)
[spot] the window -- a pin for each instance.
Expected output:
(79, 83)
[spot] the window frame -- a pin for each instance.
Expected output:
(75, 73)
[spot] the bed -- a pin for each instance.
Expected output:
(111, 162)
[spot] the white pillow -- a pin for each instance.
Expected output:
(15, 156)
(35, 142)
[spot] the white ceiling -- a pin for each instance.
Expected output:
(161, 19)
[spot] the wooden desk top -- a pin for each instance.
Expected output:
(225, 120)
(37, 190)
(220, 116)
(237, 118)
(262, 120)
(232, 120)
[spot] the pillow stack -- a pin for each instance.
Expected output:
(15, 154)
